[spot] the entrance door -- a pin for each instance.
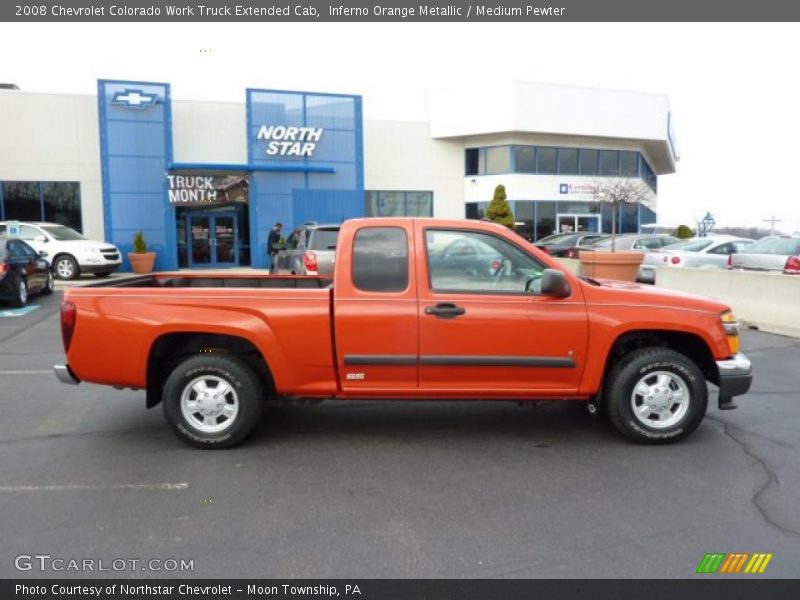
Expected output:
(213, 239)
(578, 223)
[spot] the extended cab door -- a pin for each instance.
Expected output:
(375, 308)
(481, 331)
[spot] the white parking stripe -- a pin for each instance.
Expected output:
(168, 487)
(47, 372)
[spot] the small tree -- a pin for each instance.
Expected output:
(684, 232)
(499, 210)
(617, 192)
(139, 243)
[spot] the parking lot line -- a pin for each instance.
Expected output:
(168, 487)
(18, 372)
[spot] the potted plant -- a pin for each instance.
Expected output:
(620, 265)
(141, 260)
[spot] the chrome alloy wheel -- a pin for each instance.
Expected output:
(209, 404)
(65, 268)
(660, 399)
(23, 292)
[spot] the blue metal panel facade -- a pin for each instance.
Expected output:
(302, 193)
(135, 148)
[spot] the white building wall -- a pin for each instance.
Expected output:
(209, 132)
(54, 137)
(400, 155)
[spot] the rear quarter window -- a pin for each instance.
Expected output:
(380, 259)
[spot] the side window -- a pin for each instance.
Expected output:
(472, 261)
(26, 232)
(740, 246)
(380, 259)
(647, 244)
(723, 249)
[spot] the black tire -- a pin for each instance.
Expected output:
(103, 274)
(66, 267)
(672, 375)
(20, 287)
(50, 285)
(236, 373)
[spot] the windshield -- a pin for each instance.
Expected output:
(62, 233)
(690, 245)
(775, 245)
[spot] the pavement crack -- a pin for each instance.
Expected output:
(737, 434)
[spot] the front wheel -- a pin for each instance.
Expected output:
(213, 400)
(66, 267)
(656, 396)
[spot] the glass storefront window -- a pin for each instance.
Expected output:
(609, 163)
(399, 204)
(545, 218)
(546, 160)
(629, 164)
(54, 201)
(525, 159)
(588, 162)
(498, 160)
(567, 161)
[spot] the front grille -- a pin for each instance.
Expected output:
(111, 254)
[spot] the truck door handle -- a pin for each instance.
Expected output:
(446, 310)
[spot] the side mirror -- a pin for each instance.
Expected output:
(42, 253)
(554, 283)
(40, 238)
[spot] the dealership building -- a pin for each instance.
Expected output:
(205, 181)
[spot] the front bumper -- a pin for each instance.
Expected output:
(735, 376)
(106, 267)
(65, 374)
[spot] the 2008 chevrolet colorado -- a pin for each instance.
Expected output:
(417, 309)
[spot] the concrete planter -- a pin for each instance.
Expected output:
(620, 265)
(142, 262)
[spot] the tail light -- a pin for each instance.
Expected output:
(68, 317)
(792, 266)
(572, 253)
(310, 261)
(730, 261)
(3, 268)
(675, 260)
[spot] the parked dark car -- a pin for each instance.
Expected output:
(559, 244)
(22, 272)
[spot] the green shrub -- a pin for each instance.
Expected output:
(499, 209)
(684, 232)
(139, 243)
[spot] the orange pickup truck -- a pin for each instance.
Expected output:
(417, 309)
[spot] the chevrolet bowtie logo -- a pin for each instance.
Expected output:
(134, 99)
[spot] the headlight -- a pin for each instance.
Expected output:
(731, 327)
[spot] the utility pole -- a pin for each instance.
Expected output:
(772, 222)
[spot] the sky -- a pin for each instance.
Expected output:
(734, 89)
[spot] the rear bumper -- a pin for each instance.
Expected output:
(65, 374)
(735, 376)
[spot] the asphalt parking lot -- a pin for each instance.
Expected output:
(390, 489)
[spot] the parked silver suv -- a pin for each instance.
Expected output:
(310, 250)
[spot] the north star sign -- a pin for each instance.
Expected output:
(290, 141)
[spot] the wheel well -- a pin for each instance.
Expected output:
(688, 344)
(172, 348)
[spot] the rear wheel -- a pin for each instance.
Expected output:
(213, 400)
(656, 396)
(65, 267)
(20, 297)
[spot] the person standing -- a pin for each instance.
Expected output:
(273, 245)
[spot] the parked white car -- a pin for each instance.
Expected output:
(699, 253)
(68, 251)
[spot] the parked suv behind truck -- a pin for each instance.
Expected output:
(68, 251)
